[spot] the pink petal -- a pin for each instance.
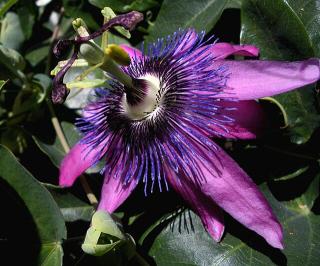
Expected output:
(77, 161)
(114, 193)
(222, 50)
(253, 79)
(249, 120)
(232, 189)
(133, 52)
(210, 214)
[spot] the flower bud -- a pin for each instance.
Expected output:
(118, 54)
(105, 236)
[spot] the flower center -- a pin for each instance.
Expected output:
(140, 104)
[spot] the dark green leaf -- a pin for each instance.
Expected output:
(309, 14)
(54, 150)
(72, 208)
(74, 9)
(14, 138)
(125, 5)
(27, 15)
(185, 242)
(12, 61)
(201, 15)
(280, 34)
(234, 4)
(44, 211)
(44, 82)
(37, 55)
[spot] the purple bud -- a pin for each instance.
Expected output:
(128, 21)
(59, 94)
(61, 47)
(59, 91)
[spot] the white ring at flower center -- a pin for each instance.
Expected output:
(143, 109)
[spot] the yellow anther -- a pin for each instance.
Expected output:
(118, 54)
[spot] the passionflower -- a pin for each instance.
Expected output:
(159, 130)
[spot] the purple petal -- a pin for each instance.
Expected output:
(223, 50)
(210, 214)
(253, 79)
(77, 161)
(249, 120)
(231, 189)
(114, 193)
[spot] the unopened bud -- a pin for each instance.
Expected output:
(118, 54)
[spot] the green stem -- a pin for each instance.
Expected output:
(57, 127)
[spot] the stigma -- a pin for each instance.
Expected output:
(143, 100)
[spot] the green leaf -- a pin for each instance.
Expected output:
(27, 15)
(12, 62)
(43, 210)
(11, 32)
(309, 14)
(56, 153)
(283, 37)
(72, 208)
(234, 4)
(11, 59)
(51, 255)
(54, 150)
(75, 9)
(37, 55)
(125, 5)
(185, 242)
(44, 82)
(201, 15)
(14, 138)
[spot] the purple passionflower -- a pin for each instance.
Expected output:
(160, 131)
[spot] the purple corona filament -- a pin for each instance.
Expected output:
(185, 93)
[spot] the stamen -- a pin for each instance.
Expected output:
(136, 94)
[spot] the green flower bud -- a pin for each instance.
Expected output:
(105, 236)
